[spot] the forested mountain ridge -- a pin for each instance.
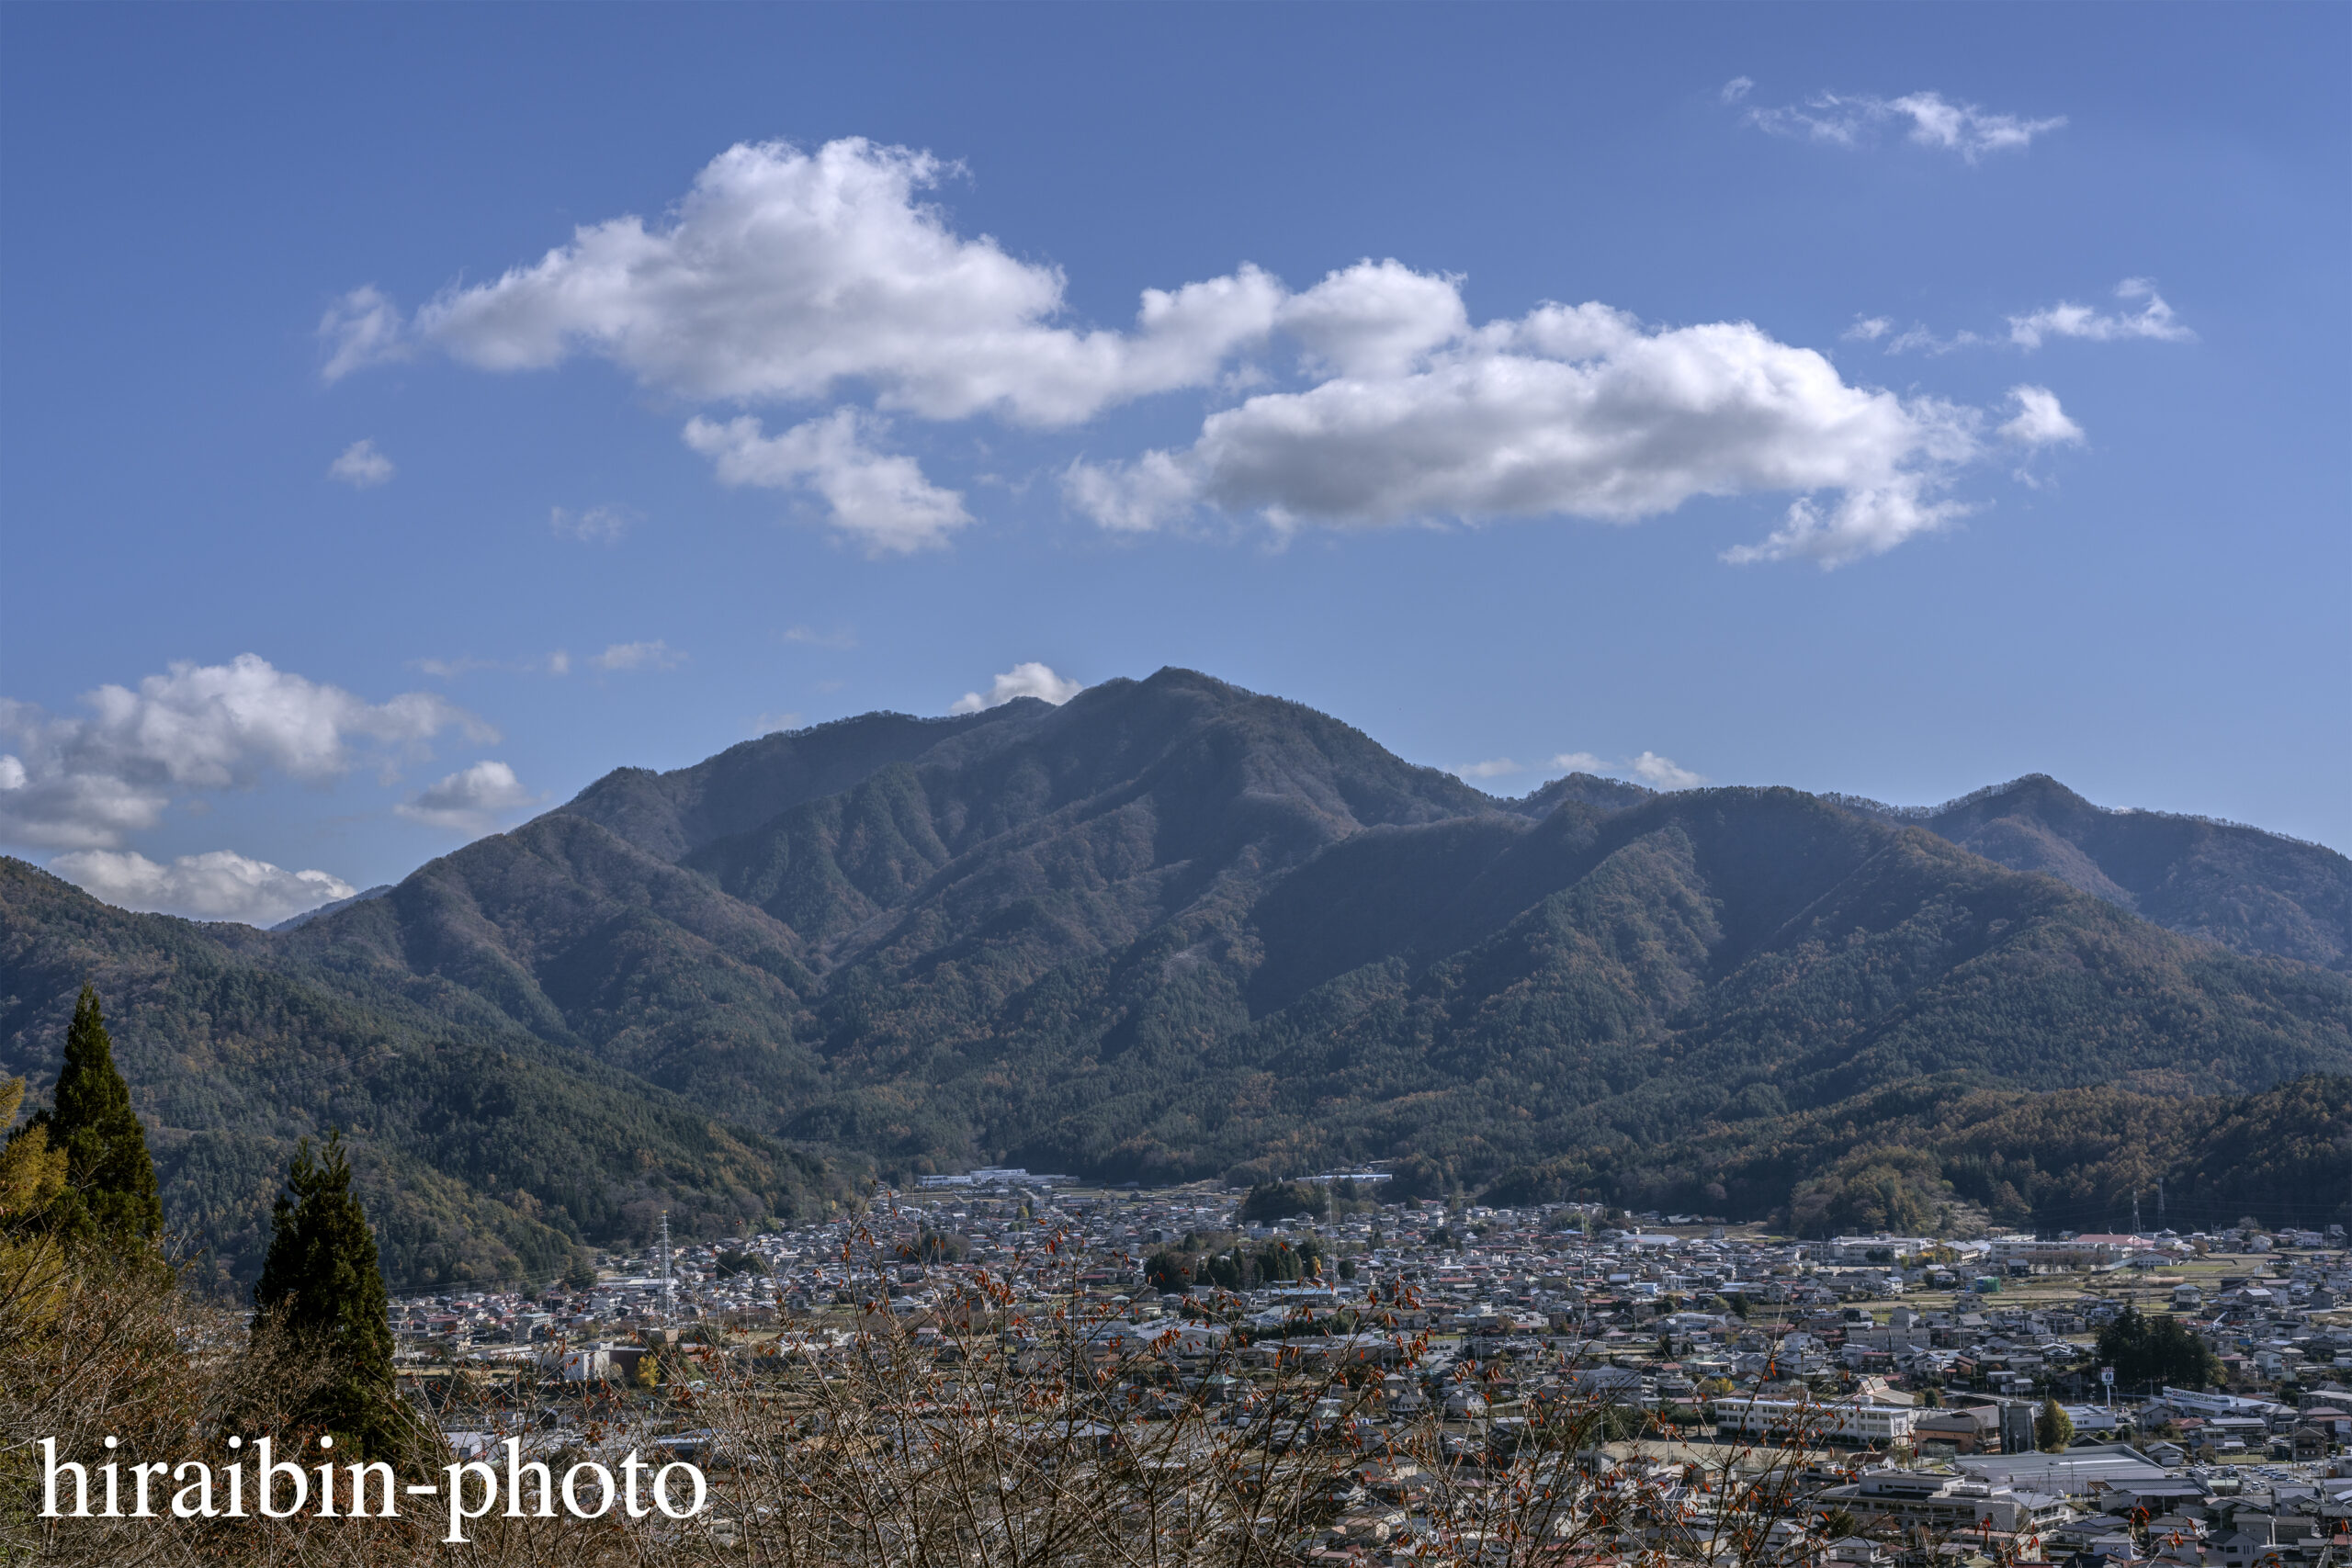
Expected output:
(1174, 928)
(483, 1152)
(2247, 889)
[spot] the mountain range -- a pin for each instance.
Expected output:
(1173, 928)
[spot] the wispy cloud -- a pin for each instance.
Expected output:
(626, 656)
(361, 466)
(1926, 119)
(558, 662)
(594, 525)
(2154, 319)
(2039, 421)
(839, 638)
(360, 329)
(1493, 768)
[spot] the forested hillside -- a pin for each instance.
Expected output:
(482, 1151)
(1172, 929)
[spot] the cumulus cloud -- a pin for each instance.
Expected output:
(2154, 319)
(363, 328)
(468, 801)
(595, 526)
(1582, 762)
(1663, 772)
(221, 885)
(1032, 680)
(1928, 119)
(1493, 768)
(83, 783)
(1375, 319)
(881, 501)
(2039, 421)
(624, 656)
(1568, 410)
(784, 275)
(361, 466)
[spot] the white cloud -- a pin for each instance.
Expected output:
(2039, 421)
(1918, 339)
(221, 885)
(1662, 773)
(468, 801)
(1375, 319)
(884, 501)
(1863, 523)
(361, 466)
(1032, 680)
(1929, 120)
(784, 275)
(778, 719)
(1735, 89)
(1568, 410)
(840, 637)
(1493, 768)
(556, 663)
(621, 656)
(1136, 496)
(362, 328)
(797, 276)
(596, 526)
(83, 784)
(1649, 768)
(2154, 319)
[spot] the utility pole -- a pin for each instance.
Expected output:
(2160, 1202)
(669, 1288)
(2135, 1214)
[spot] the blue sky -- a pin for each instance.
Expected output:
(413, 412)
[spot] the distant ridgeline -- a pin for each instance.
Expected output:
(1175, 929)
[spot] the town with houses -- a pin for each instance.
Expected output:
(1915, 1375)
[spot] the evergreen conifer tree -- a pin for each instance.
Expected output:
(109, 1199)
(2054, 1428)
(322, 1280)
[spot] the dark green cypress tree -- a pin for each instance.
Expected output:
(109, 1199)
(321, 1283)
